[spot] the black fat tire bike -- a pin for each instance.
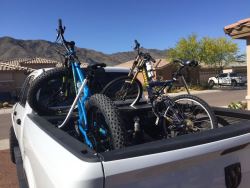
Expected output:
(179, 115)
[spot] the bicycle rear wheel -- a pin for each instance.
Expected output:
(47, 93)
(197, 113)
(121, 89)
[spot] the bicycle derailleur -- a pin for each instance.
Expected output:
(171, 118)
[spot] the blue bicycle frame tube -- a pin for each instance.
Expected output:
(82, 121)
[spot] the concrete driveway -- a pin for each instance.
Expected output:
(223, 97)
(8, 177)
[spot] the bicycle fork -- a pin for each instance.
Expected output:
(81, 112)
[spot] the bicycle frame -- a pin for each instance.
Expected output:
(150, 84)
(82, 95)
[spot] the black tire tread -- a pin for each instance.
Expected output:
(112, 118)
(37, 84)
(124, 78)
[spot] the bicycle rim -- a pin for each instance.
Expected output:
(196, 113)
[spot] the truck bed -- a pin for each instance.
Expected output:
(199, 159)
(232, 123)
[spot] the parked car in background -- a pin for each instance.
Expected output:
(227, 79)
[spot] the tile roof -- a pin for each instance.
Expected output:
(13, 67)
(36, 60)
(21, 63)
(240, 29)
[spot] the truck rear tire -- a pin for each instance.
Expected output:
(233, 83)
(106, 130)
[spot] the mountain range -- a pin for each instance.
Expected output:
(11, 48)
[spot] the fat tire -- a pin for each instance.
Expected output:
(112, 118)
(12, 144)
(203, 104)
(114, 82)
(40, 81)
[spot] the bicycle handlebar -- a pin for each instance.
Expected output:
(60, 34)
(60, 30)
(146, 56)
(137, 45)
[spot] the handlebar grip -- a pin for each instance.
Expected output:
(60, 23)
(137, 45)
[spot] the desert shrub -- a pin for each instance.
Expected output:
(238, 105)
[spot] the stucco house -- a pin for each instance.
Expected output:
(13, 73)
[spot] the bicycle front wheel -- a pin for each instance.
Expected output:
(106, 131)
(123, 89)
(197, 113)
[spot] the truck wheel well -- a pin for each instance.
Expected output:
(13, 143)
(234, 82)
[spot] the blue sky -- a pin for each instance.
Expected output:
(112, 25)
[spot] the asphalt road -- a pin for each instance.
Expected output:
(223, 97)
(5, 123)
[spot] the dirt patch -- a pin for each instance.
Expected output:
(8, 177)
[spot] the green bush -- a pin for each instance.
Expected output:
(238, 105)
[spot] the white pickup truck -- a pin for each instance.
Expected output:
(49, 157)
(227, 79)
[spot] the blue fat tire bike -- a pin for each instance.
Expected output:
(65, 89)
